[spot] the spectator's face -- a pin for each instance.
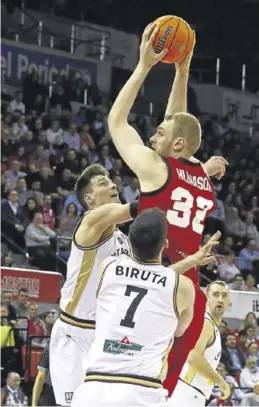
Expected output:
(251, 363)
(19, 97)
(29, 135)
(105, 151)
(8, 259)
(21, 183)
(250, 333)
(31, 204)
(55, 125)
(22, 297)
(13, 197)
(234, 212)
(232, 187)
(239, 281)
(32, 311)
(117, 180)
(228, 241)
(254, 202)
(4, 312)
(35, 186)
(73, 128)
(71, 155)
(230, 258)
(44, 172)
(47, 200)
(222, 370)
(117, 165)
(14, 381)
(253, 349)
(83, 163)
(15, 165)
(218, 299)
(242, 338)
(222, 328)
(251, 245)
(38, 124)
(249, 218)
(250, 318)
(38, 219)
(71, 209)
(86, 127)
(250, 281)
(6, 298)
(134, 183)
(66, 174)
(32, 168)
(103, 191)
(231, 341)
(50, 319)
(21, 151)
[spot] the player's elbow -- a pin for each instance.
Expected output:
(193, 358)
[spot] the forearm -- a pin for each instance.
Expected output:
(126, 98)
(184, 265)
(177, 101)
(200, 364)
(37, 389)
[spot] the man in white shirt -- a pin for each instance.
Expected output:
(250, 374)
(228, 270)
(131, 191)
(16, 105)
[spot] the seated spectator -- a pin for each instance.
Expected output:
(242, 340)
(55, 136)
(131, 192)
(30, 208)
(17, 105)
(12, 175)
(7, 333)
(234, 225)
(64, 239)
(237, 394)
(251, 229)
(19, 128)
(250, 283)
(66, 184)
(49, 322)
(223, 330)
(216, 219)
(12, 394)
(225, 246)
(12, 218)
(250, 319)
(35, 192)
(35, 325)
(231, 401)
(247, 255)
(249, 375)
(232, 356)
(49, 217)
(21, 304)
(252, 398)
(253, 350)
(72, 199)
(72, 138)
(70, 163)
(86, 141)
(238, 283)
(251, 334)
(227, 269)
(48, 182)
(7, 260)
(37, 238)
(21, 189)
(71, 218)
(105, 157)
(6, 300)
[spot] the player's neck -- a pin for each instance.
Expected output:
(216, 319)
(182, 156)
(149, 261)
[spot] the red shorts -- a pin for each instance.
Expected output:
(183, 345)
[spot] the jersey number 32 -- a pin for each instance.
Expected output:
(180, 214)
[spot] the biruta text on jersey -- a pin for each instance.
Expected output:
(133, 272)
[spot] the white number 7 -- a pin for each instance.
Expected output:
(184, 207)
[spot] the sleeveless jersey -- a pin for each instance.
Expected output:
(187, 198)
(78, 295)
(135, 323)
(212, 354)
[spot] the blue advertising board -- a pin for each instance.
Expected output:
(17, 62)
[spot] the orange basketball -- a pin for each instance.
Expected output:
(174, 34)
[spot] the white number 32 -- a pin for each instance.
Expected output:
(180, 215)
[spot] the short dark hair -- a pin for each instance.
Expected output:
(147, 234)
(23, 290)
(84, 180)
(218, 282)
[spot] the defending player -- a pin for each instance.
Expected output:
(95, 238)
(170, 178)
(141, 306)
(199, 373)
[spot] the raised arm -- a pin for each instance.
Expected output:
(97, 221)
(127, 141)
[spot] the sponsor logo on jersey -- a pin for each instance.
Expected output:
(123, 346)
(69, 396)
(120, 252)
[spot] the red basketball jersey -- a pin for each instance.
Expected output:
(187, 198)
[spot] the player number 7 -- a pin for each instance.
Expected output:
(180, 214)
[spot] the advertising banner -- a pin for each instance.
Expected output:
(42, 286)
(17, 61)
(241, 303)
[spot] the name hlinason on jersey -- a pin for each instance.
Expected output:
(144, 275)
(199, 182)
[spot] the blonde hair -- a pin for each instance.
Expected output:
(188, 127)
(217, 282)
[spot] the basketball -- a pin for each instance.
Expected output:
(174, 34)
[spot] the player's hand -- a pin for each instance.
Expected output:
(216, 166)
(224, 387)
(203, 257)
(184, 66)
(148, 57)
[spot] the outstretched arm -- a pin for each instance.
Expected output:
(127, 141)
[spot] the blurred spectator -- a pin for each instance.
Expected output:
(6, 300)
(251, 334)
(250, 374)
(49, 322)
(12, 394)
(237, 393)
(238, 283)
(225, 245)
(48, 214)
(7, 260)
(35, 325)
(86, 140)
(21, 189)
(251, 399)
(20, 128)
(251, 229)
(250, 283)
(253, 350)
(72, 138)
(12, 218)
(105, 158)
(234, 225)
(66, 184)
(20, 304)
(70, 219)
(231, 401)
(17, 105)
(216, 219)
(55, 136)
(247, 255)
(12, 175)
(232, 356)
(227, 269)
(242, 340)
(250, 319)
(223, 330)
(35, 192)
(37, 237)
(30, 208)
(131, 192)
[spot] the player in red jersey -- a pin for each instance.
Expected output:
(170, 177)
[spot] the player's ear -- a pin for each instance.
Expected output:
(166, 243)
(88, 199)
(179, 144)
